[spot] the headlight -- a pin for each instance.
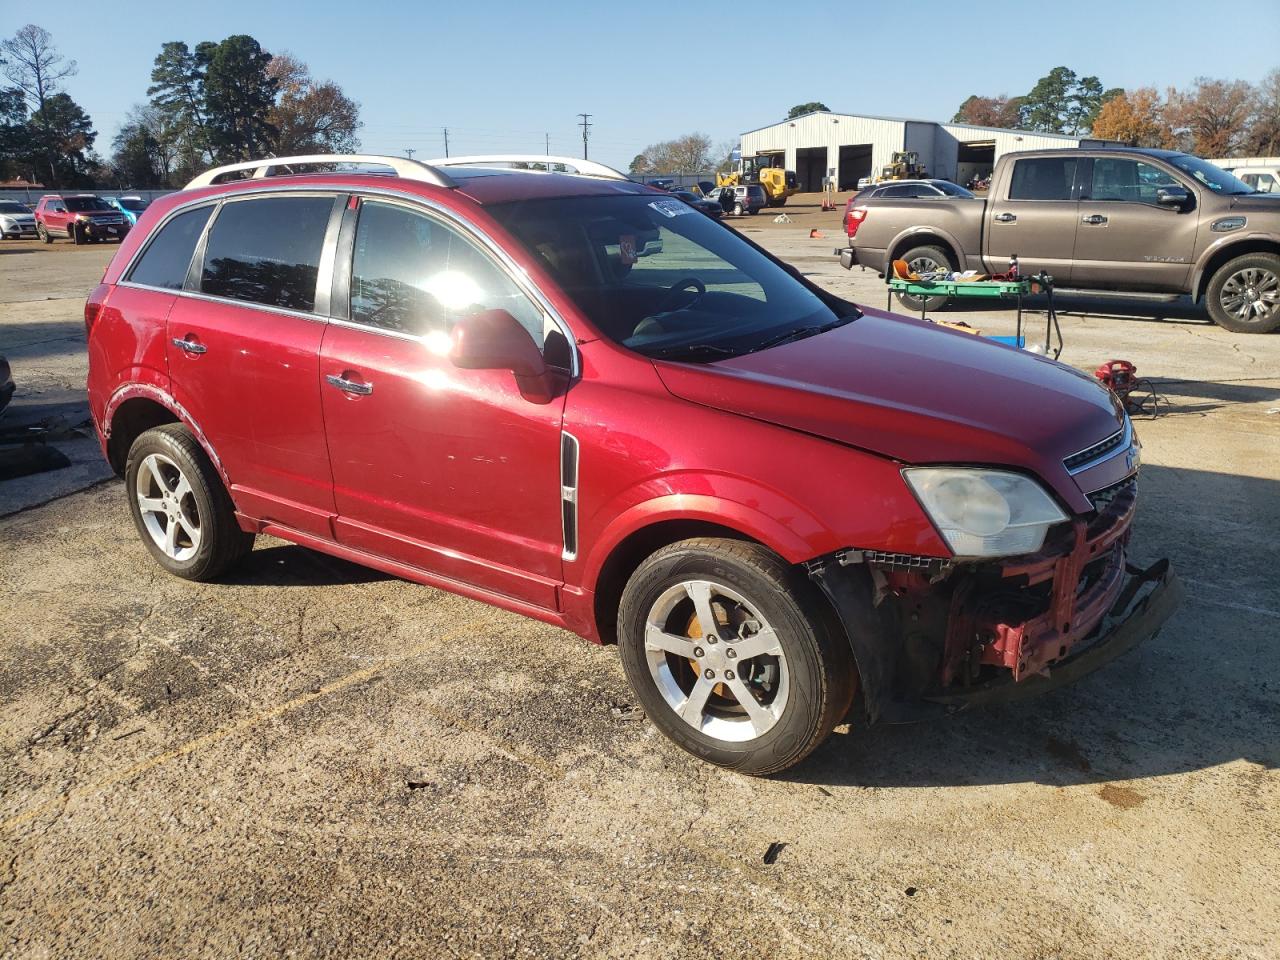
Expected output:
(985, 513)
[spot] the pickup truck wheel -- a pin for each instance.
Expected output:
(1244, 295)
(181, 508)
(729, 652)
(922, 260)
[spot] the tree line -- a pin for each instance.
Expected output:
(1211, 118)
(214, 103)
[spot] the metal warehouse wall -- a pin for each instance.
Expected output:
(832, 131)
(937, 143)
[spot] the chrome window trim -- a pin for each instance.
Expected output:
(209, 298)
(138, 254)
(1122, 447)
(519, 276)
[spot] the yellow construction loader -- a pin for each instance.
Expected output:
(765, 169)
(906, 165)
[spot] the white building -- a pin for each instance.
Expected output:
(859, 146)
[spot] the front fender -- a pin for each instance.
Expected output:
(786, 541)
(1222, 248)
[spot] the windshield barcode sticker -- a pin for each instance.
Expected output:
(671, 208)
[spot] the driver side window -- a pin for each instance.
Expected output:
(412, 274)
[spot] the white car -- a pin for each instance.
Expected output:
(1262, 179)
(16, 221)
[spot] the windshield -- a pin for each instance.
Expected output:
(135, 206)
(657, 276)
(8, 206)
(1210, 175)
(83, 204)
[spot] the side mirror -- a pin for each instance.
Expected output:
(495, 340)
(1172, 196)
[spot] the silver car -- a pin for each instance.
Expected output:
(16, 221)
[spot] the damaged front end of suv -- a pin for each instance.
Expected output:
(931, 635)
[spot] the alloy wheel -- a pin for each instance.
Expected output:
(168, 506)
(716, 661)
(923, 265)
(1251, 294)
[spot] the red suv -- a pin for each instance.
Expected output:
(82, 218)
(574, 397)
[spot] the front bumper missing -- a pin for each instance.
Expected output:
(932, 638)
(1120, 632)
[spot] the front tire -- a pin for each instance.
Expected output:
(921, 260)
(182, 510)
(1244, 295)
(729, 651)
(43, 234)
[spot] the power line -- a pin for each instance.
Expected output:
(585, 123)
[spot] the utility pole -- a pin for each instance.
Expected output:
(548, 138)
(585, 124)
(446, 141)
(409, 152)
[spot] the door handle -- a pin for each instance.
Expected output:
(1005, 218)
(187, 345)
(357, 387)
(1094, 218)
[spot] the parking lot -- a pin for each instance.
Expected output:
(315, 759)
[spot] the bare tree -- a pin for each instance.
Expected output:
(310, 117)
(34, 66)
(1263, 139)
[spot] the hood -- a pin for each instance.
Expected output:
(917, 393)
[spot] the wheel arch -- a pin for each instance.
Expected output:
(136, 408)
(648, 527)
(1218, 256)
(929, 237)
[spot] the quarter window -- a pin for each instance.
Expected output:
(1119, 178)
(168, 256)
(1043, 178)
(267, 251)
(412, 274)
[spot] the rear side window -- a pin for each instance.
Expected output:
(1043, 178)
(267, 251)
(168, 256)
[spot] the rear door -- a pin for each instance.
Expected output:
(452, 471)
(1126, 240)
(244, 348)
(1035, 218)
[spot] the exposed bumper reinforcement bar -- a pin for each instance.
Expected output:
(1138, 621)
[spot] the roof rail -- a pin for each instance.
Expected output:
(533, 161)
(401, 166)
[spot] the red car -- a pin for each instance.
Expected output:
(574, 397)
(81, 218)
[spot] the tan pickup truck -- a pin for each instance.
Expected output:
(1133, 222)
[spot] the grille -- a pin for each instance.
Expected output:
(897, 561)
(1100, 449)
(1102, 499)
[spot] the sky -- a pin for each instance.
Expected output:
(503, 75)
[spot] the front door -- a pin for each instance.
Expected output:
(244, 353)
(449, 470)
(1126, 240)
(1036, 219)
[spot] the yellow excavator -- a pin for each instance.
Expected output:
(906, 165)
(767, 170)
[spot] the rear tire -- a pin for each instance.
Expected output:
(924, 260)
(737, 209)
(183, 513)
(1244, 295)
(695, 683)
